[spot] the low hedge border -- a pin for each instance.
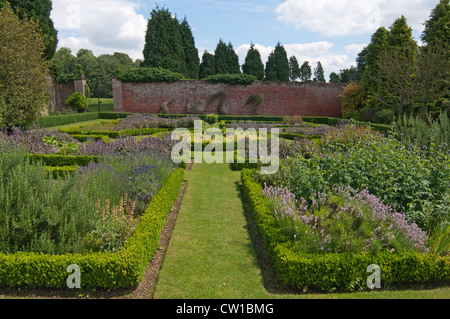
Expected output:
(114, 134)
(123, 269)
(84, 137)
(340, 272)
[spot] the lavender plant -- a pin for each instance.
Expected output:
(341, 222)
(33, 140)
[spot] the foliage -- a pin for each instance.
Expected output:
(192, 59)
(239, 79)
(292, 119)
(64, 148)
(294, 68)
(277, 65)
(437, 30)
(207, 66)
(226, 61)
(145, 74)
(253, 64)
(352, 98)
(319, 75)
(343, 221)
(333, 271)
(305, 72)
(23, 70)
(78, 101)
(139, 121)
(256, 100)
(123, 269)
(37, 223)
(33, 140)
(384, 116)
(163, 42)
(401, 177)
(211, 119)
(40, 12)
(430, 135)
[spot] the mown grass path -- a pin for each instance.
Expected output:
(211, 254)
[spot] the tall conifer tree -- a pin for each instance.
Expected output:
(253, 64)
(163, 42)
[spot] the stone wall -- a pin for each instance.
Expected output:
(200, 97)
(60, 92)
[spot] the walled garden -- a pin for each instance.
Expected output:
(95, 189)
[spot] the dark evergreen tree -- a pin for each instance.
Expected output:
(163, 42)
(253, 64)
(378, 44)
(39, 10)
(232, 60)
(190, 51)
(305, 72)
(319, 74)
(221, 58)
(271, 68)
(400, 35)
(437, 27)
(334, 78)
(361, 63)
(207, 67)
(282, 63)
(294, 68)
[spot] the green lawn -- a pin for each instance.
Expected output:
(211, 254)
(106, 105)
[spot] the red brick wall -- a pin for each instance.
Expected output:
(280, 98)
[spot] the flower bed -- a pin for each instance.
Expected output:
(106, 270)
(335, 271)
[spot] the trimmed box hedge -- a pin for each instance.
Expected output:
(123, 269)
(329, 272)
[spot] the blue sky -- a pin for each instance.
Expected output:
(329, 31)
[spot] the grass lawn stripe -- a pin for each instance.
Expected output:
(210, 254)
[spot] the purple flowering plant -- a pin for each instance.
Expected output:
(343, 220)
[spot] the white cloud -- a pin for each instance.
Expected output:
(103, 26)
(312, 52)
(347, 17)
(354, 49)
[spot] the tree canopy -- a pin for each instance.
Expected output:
(39, 10)
(23, 69)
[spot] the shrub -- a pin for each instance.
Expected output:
(37, 223)
(123, 269)
(343, 220)
(292, 119)
(146, 74)
(352, 99)
(239, 79)
(403, 178)
(212, 118)
(432, 136)
(349, 135)
(384, 116)
(78, 101)
(334, 271)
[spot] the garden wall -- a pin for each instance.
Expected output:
(201, 97)
(60, 92)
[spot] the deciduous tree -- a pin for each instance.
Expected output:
(23, 69)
